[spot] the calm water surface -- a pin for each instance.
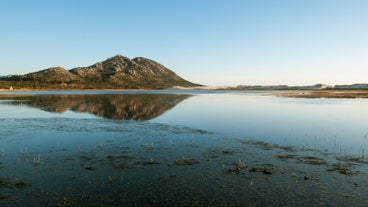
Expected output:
(338, 125)
(181, 148)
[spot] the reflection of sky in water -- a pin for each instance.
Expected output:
(339, 125)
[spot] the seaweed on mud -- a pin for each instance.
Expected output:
(121, 166)
(148, 146)
(340, 168)
(68, 158)
(112, 157)
(188, 130)
(184, 162)
(200, 131)
(260, 169)
(90, 168)
(227, 152)
(286, 156)
(20, 185)
(311, 160)
(3, 181)
(238, 168)
(86, 157)
(260, 144)
(352, 159)
(267, 146)
(265, 169)
(147, 163)
(285, 148)
(215, 153)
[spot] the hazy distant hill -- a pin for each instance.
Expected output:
(118, 72)
(354, 86)
(310, 87)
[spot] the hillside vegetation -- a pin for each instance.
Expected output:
(118, 72)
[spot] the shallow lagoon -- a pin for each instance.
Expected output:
(181, 148)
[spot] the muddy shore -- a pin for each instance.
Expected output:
(325, 94)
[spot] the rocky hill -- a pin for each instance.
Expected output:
(118, 72)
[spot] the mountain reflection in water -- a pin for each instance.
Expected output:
(139, 107)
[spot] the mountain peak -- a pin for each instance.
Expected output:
(122, 72)
(117, 72)
(118, 58)
(57, 69)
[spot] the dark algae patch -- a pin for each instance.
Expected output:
(90, 168)
(184, 162)
(3, 181)
(285, 156)
(312, 160)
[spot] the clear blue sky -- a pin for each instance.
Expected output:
(214, 42)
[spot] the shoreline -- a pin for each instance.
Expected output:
(359, 93)
(292, 93)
